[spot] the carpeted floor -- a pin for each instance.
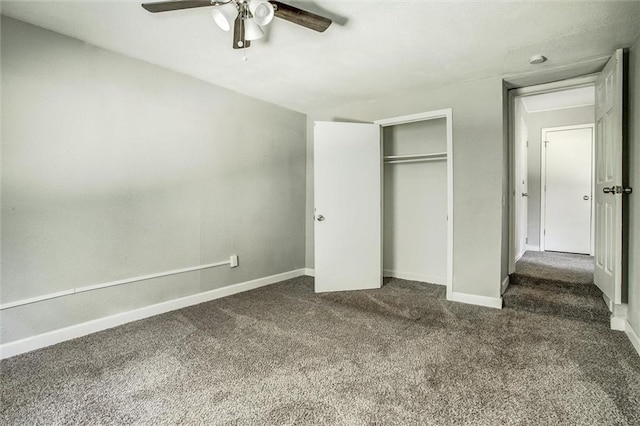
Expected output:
(558, 284)
(553, 266)
(284, 355)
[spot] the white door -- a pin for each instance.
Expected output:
(348, 206)
(608, 185)
(522, 189)
(567, 191)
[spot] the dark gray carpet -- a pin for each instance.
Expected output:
(284, 355)
(556, 284)
(567, 268)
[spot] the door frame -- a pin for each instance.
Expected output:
(571, 83)
(543, 180)
(447, 114)
(521, 204)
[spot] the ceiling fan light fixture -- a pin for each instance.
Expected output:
(262, 11)
(252, 30)
(224, 15)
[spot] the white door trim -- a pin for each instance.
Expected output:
(447, 114)
(572, 83)
(543, 178)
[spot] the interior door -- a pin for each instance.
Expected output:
(568, 171)
(348, 206)
(608, 185)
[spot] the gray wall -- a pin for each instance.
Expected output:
(634, 169)
(114, 168)
(478, 155)
(415, 202)
(535, 123)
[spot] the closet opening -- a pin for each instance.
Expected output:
(418, 198)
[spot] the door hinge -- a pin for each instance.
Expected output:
(546, 143)
(527, 144)
(526, 240)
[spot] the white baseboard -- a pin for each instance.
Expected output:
(310, 272)
(633, 336)
(63, 334)
(618, 316)
(618, 323)
(505, 285)
(415, 277)
(472, 299)
(532, 248)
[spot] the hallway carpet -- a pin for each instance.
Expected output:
(285, 355)
(569, 268)
(558, 284)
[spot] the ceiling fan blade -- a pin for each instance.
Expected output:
(300, 17)
(166, 6)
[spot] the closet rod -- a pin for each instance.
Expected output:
(415, 160)
(435, 155)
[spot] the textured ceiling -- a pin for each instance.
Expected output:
(373, 48)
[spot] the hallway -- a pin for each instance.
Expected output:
(556, 283)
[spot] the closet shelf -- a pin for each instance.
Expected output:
(413, 158)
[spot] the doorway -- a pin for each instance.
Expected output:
(415, 206)
(553, 176)
(544, 212)
(418, 197)
(607, 176)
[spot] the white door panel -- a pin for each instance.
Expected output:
(608, 156)
(568, 170)
(348, 206)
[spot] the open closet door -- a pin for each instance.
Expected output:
(348, 206)
(608, 185)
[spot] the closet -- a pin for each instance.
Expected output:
(415, 206)
(383, 201)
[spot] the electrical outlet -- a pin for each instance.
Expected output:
(233, 261)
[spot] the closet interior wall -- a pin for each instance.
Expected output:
(415, 202)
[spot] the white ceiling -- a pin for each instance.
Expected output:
(571, 98)
(373, 48)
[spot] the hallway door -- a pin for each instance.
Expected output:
(567, 187)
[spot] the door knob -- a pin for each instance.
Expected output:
(617, 190)
(586, 198)
(525, 194)
(320, 218)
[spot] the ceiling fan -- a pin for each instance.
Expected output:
(248, 16)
